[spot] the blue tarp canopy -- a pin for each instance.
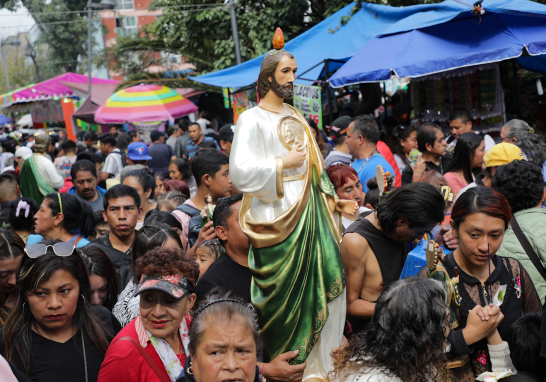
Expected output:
(449, 37)
(4, 119)
(317, 44)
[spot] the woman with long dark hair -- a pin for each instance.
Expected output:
(147, 238)
(466, 163)
(63, 217)
(180, 169)
(54, 333)
(11, 252)
(324, 147)
(102, 277)
(404, 139)
(479, 220)
(405, 339)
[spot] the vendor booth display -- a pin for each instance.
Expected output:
(477, 89)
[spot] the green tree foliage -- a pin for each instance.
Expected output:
(68, 38)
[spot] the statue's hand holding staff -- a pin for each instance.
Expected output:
(294, 159)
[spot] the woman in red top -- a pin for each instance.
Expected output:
(155, 345)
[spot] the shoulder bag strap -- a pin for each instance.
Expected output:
(527, 247)
(157, 370)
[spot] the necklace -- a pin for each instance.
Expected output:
(366, 160)
(441, 167)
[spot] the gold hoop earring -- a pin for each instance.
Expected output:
(190, 371)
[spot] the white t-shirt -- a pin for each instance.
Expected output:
(347, 222)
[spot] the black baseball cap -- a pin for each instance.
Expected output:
(339, 127)
(226, 132)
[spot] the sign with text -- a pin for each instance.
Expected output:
(307, 102)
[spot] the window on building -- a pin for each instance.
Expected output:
(125, 4)
(126, 26)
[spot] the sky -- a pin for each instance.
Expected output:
(12, 23)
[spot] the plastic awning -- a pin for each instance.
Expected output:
(449, 37)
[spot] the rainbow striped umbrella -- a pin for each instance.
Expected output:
(144, 103)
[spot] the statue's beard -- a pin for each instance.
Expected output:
(283, 91)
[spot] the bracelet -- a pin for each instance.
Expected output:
(263, 366)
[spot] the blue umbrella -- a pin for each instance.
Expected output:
(463, 41)
(4, 119)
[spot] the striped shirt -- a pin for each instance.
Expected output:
(113, 164)
(64, 164)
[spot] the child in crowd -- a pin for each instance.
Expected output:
(206, 253)
(170, 200)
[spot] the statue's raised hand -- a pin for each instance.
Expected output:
(294, 159)
(345, 206)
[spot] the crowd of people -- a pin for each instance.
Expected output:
(122, 260)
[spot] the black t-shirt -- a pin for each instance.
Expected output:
(60, 362)
(228, 273)
(407, 174)
(121, 260)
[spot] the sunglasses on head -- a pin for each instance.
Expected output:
(60, 249)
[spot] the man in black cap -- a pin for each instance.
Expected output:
(338, 133)
(226, 137)
(161, 153)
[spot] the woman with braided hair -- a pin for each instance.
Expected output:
(155, 345)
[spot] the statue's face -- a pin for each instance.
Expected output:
(282, 82)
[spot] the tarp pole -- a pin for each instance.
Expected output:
(326, 64)
(235, 31)
(516, 82)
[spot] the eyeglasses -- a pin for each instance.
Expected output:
(60, 249)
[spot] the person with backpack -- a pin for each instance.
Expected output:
(210, 168)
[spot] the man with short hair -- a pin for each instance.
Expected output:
(374, 248)
(210, 168)
(174, 132)
(182, 140)
(338, 134)
(122, 211)
(460, 122)
(226, 137)
(113, 130)
(196, 140)
(362, 137)
(64, 163)
(134, 136)
(231, 271)
(137, 158)
(9, 191)
(433, 147)
(113, 163)
(84, 179)
(90, 139)
(160, 153)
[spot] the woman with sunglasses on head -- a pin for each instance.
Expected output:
(63, 217)
(12, 249)
(147, 238)
(466, 163)
(167, 218)
(54, 333)
(404, 139)
(166, 282)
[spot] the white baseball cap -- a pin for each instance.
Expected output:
(23, 152)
